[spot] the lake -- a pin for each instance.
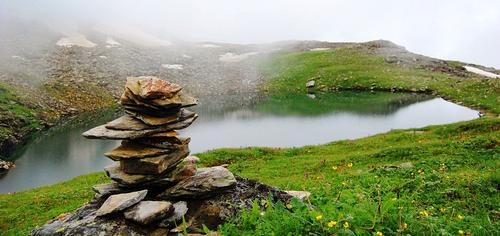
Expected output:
(282, 120)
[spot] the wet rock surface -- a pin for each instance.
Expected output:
(149, 173)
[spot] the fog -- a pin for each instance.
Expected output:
(454, 29)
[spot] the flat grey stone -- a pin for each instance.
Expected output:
(101, 132)
(115, 173)
(299, 194)
(127, 122)
(150, 120)
(154, 165)
(120, 202)
(204, 183)
(180, 209)
(146, 212)
(107, 189)
(192, 159)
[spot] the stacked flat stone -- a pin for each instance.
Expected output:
(150, 171)
(151, 148)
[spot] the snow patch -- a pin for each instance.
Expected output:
(19, 57)
(75, 40)
(186, 56)
(208, 45)
(231, 57)
(319, 49)
(172, 66)
(481, 72)
(103, 57)
(112, 43)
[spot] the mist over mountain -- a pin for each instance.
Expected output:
(444, 29)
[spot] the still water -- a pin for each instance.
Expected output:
(237, 121)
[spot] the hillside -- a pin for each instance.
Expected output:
(439, 179)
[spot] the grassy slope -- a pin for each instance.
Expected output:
(452, 186)
(16, 120)
(19, 118)
(356, 69)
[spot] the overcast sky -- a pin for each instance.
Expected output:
(450, 29)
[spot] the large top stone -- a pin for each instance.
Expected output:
(120, 202)
(154, 94)
(152, 87)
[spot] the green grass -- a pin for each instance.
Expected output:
(452, 185)
(355, 69)
(23, 211)
(16, 119)
(455, 173)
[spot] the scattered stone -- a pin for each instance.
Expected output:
(180, 209)
(209, 212)
(301, 195)
(205, 182)
(120, 202)
(310, 84)
(146, 212)
(6, 165)
(192, 159)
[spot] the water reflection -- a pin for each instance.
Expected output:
(237, 121)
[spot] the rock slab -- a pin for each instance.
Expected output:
(146, 212)
(120, 202)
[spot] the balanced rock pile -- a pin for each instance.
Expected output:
(154, 187)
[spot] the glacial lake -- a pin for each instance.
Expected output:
(286, 120)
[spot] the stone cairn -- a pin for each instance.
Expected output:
(155, 185)
(149, 160)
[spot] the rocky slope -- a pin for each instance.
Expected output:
(52, 76)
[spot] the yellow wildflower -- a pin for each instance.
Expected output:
(349, 165)
(460, 217)
(379, 233)
(262, 213)
(442, 209)
(332, 224)
(319, 217)
(334, 167)
(404, 226)
(424, 213)
(289, 206)
(346, 225)
(344, 184)
(461, 232)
